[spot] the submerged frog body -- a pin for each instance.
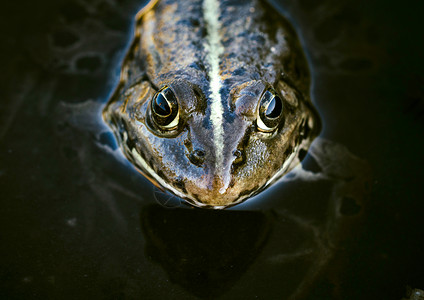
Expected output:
(213, 102)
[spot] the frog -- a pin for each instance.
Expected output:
(213, 102)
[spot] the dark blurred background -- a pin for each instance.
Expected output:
(76, 222)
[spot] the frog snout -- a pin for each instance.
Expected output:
(215, 186)
(198, 156)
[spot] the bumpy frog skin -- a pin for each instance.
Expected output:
(213, 102)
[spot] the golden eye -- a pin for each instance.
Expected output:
(164, 107)
(270, 111)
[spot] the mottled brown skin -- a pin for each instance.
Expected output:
(260, 51)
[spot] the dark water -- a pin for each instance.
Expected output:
(77, 222)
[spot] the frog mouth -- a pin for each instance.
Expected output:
(212, 198)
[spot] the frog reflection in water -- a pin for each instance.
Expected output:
(213, 102)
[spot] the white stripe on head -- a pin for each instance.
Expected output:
(214, 50)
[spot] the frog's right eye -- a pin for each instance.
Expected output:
(270, 113)
(164, 109)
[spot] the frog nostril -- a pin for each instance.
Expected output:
(199, 153)
(197, 157)
(239, 157)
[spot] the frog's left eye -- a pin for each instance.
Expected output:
(270, 111)
(164, 107)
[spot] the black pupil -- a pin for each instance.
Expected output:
(161, 106)
(274, 108)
